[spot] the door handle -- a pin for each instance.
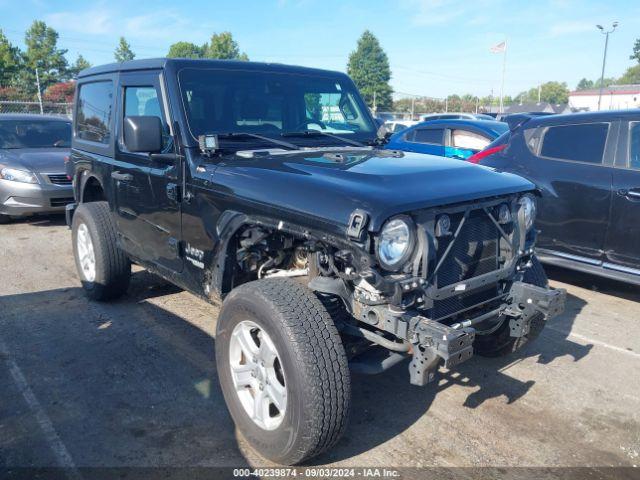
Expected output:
(633, 194)
(123, 177)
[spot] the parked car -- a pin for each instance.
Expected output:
(427, 117)
(32, 168)
(587, 166)
(448, 138)
(396, 126)
(223, 178)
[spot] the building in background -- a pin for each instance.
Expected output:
(614, 97)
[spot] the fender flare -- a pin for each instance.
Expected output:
(84, 177)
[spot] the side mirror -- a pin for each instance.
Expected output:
(143, 134)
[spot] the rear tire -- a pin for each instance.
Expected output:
(312, 360)
(500, 342)
(104, 269)
(4, 219)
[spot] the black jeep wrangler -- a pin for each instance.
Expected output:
(267, 189)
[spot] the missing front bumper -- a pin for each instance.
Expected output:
(435, 343)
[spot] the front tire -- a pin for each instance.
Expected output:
(500, 342)
(4, 219)
(303, 355)
(104, 269)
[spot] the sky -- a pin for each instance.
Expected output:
(435, 47)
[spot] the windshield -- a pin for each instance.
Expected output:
(273, 104)
(34, 134)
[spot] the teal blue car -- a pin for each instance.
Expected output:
(448, 138)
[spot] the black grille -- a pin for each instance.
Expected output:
(59, 179)
(474, 252)
(61, 202)
(449, 306)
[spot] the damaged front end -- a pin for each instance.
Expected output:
(461, 272)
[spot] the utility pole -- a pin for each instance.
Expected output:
(39, 94)
(604, 57)
(375, 108)
(413, 103)
(539, 93)
(504, 69)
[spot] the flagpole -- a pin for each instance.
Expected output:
(504, 68)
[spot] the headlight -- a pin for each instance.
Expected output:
(15, 175)
(528, 210)
(395, 243)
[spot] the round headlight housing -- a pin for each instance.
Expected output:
(528, 210)
(395, 242)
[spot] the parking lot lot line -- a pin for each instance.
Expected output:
(595, 342)
(53, 439)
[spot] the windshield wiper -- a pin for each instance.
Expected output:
(311, 133)
(260, 137)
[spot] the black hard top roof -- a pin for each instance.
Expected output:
(178, 63)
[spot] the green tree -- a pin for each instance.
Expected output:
(636, 51)
(224, 47)
(551, 92)
(631, 76)
(186, 50)
(584, 84)
(123, 52)
(80, 64)
(9, 61)
(369, 68)
(42, 53)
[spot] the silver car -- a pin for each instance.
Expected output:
(32, 165)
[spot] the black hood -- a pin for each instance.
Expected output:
(376, 182)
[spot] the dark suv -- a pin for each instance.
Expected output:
(262, 188)
(587, 167)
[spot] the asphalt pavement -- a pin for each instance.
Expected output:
(133, 383)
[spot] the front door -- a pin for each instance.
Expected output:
(149, 214)
(622, 247)
(572, 166)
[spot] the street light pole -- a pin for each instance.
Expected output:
(604, 58)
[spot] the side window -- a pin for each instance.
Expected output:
(634, 145)
(468, 140)
(93, 118)
(429, 135)
(580, 143)
(143, 101)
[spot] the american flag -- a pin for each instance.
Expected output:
(499, 48)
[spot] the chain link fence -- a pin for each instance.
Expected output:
(45, 108)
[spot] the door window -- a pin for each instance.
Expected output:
(428, 135)
(143, 101)
(93, 117)
(579, 143)
(634, 145)
(468, 140)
